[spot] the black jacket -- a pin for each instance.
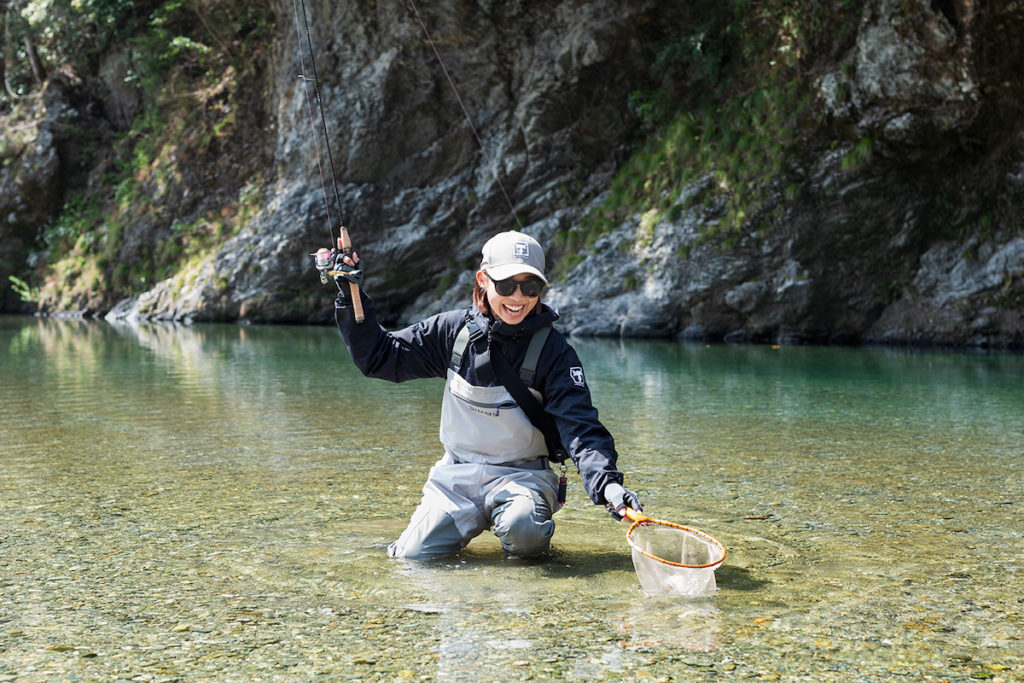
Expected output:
(425, 349)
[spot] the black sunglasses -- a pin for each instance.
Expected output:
(530, 288)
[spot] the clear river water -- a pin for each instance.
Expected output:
(213, 502)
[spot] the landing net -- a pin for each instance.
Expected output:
(670, 558)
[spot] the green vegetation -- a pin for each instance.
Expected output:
(188, 59)
(22, 289)
(859, 156)
(90, 255)
(729, 113)
(1009, 297)
(167, 38)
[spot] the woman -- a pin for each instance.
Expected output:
(495, 472)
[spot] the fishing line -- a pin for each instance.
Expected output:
(465, 111)
(323, 119)
(329, 262)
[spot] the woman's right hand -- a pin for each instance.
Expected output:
(348, 270)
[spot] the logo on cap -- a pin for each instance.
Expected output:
(521, 250)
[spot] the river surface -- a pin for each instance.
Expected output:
(213, 502)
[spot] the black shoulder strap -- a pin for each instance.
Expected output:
(528, 370)
(526, 400)
(469, 333)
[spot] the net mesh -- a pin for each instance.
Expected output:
(670, 558)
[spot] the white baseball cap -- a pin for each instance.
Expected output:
(511, 253)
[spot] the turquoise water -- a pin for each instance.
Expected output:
(213, 502)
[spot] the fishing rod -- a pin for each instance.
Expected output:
(462, 105)
(327, 261)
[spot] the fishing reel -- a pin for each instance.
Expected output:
(330, 266)
(325, 260)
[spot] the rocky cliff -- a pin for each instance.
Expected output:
(891, 214)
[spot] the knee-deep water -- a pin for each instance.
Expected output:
(213, 502)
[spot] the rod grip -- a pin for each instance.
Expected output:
(345, 247)
(357, 302)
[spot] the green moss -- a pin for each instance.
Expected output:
(1009, 297)
(738, 118)
(444, 284)
(745, 143)
(860, 156)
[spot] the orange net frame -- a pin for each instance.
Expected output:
(672, 558)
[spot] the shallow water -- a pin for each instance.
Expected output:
(213, 503)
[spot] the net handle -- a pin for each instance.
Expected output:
(640, 519)
(637, 516)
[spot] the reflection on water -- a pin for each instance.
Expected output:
(196, 501)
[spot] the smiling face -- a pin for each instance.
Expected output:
(512, 309)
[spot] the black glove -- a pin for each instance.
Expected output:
(344, 275)
(617, 499)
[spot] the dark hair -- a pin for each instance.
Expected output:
(480, 298)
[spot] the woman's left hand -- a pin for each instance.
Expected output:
(617, 499)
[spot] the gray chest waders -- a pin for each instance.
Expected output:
(518, 387)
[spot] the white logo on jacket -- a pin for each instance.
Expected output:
(577, 376)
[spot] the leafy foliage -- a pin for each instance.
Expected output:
(166, 37)
(22, 289)
(186, 61)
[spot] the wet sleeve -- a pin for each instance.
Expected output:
(418, 351)
(567, 400)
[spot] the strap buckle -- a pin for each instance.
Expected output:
(475, 333)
